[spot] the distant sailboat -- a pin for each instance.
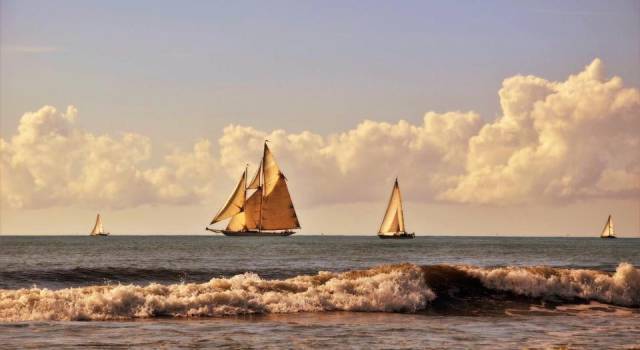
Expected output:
(607, 231)
(98, 230)
(393, 223)
(268, 211)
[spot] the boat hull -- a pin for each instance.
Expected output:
(403, 235)
(253, 233)
(608, 237)
(100, 235)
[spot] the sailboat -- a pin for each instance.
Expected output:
(607, 231)
(268, 211)
(393, 223)
(98, 230)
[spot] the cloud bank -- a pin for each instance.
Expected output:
(53, 162)
(554, 142)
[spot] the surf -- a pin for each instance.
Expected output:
(404, 288)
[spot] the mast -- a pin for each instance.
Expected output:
(400, 208)
(264, 153)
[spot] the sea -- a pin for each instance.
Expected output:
(306, 292)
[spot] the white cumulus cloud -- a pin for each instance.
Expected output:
(53, 162)
(556, 141)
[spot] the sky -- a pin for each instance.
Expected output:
(499, 118)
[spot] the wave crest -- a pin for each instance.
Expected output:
(386, 288)
(445, 289)
(622, 288)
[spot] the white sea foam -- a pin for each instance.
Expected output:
(386, 288)
(622, 288)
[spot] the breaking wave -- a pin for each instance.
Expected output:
(396, 288)
(622, 288)
(390, 288)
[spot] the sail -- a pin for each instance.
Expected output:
(278, 212)
(237, 223)
(97, 228)
(255, 183)
(252, 210)
(235, 202)
(393, 221)
(608, 231)
(270, 171)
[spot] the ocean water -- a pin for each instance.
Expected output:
(319, 291)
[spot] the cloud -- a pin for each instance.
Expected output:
(554, 142)
(52, 162)
(348, 166)
(557, 141)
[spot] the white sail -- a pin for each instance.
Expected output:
(235, 203)
(277, 211)
(608, 230)
(393, 221)
(97, 228)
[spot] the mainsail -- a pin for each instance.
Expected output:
(393, 221)
(608, 231)
(269, 207)
(277, 211)
(97, 228)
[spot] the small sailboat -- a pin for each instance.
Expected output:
(393, 223)
(607, 231)
(268, 211)
(98, 230)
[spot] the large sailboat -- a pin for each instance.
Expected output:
(98, 230)
(268, 211)
(393, 223)
(607, 231)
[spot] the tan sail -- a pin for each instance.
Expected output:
(608, 230)
(270, 171)
(393, 221)
(97, 228)
(235, 203)
(237, 222)
(255, 183)
(252, 210)
(277, 211)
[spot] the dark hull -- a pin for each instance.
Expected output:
(99, 234)
(253, 233)
(608, 237)
(403, 235)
